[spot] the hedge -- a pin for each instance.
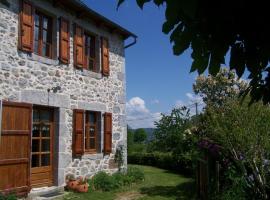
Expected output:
(161, 160)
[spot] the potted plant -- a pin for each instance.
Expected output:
(82, 185)
(72, 183)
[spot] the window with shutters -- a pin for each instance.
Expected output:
(42, 34)
(87, 132)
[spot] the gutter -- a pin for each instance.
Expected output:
(1, 106)
(132, 43)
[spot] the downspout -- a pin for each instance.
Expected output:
(1, 106)
(132, 43)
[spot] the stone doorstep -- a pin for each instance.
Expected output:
(38, 193)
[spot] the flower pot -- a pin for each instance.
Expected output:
(72, 184)
(82, 188)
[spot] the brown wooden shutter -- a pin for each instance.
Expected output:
(107, 133)
(105, 56)
(78, 132)
(15, 146)
(26, 26)
(78, 46)
(64, 45)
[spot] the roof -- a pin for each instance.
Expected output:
(84, 11)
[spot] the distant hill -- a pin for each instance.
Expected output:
(149, 132)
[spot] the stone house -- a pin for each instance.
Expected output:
(62, 92)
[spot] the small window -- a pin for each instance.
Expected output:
(43, 35)
(90, 54)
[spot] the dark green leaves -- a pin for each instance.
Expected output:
(237, 60)
(142, 2)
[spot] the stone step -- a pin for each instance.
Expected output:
(46, 193)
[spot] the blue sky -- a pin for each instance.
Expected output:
(156, 79)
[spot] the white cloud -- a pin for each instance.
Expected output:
(138, 115)
(179, 103)
(190, 103)
(193, 98)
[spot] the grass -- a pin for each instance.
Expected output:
(159, 184)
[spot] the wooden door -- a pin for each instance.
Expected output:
(15, 147)
(42, 147)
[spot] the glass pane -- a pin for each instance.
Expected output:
(45, 116)
(44, 36)
(36, 33)
(92, 118)
(36, 47)
(45, 131)
(35, 160)
(36, 20)
(45, 160)
(92, 143)
(45, 22)
(44, 50)
(45, 145)
(35, 145)
(35, 131)
(92, 131)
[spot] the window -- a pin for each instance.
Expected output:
(87, 134)
(90, 55)
(43, 35)
(91, 126)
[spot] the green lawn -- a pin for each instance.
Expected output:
(159, 184)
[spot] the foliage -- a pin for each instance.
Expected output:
(119, 156)
(130, 140)
(104, 182)
(214, 28)
(135, 173)
(235, 186)
(173, 135)
(214, 90)
(162, 160)
(243, 132)
(140, 135)
(8, 197)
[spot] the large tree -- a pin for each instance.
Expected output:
(213, 28)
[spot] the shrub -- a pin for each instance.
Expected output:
(104, 182)
(135, 174)
(8, 197)
(162, 160)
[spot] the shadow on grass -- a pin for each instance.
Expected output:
(182, 191)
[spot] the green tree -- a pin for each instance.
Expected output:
(213, 28)
(243, 133)
(140, 135)
(130, 140)
(173, 134)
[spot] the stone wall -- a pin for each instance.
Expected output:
(26, 78)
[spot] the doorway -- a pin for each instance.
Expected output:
(42, 147)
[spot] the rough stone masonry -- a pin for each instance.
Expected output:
(26, 78)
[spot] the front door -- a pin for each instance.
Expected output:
(42, 147)
(15, 147)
